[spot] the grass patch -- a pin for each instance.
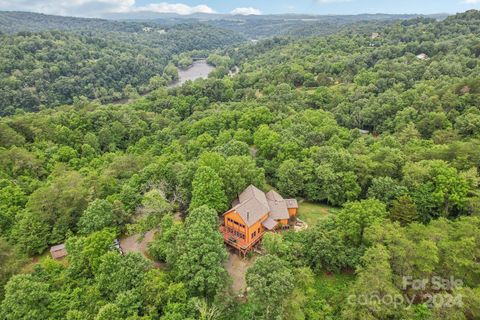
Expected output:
(311, 212)
(29, 266)
(334, 289)
(330, 286)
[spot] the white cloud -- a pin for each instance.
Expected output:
(95, 8)
(67, 7)
(471, 1)
(246, 11)
(179, 8)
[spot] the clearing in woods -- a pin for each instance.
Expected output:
(237, 268)
(312, 213)
(137, 243)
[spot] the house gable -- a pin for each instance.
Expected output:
(235, 224)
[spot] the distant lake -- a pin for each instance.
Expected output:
(199, 69)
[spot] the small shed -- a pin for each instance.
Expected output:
(58, 252)
(422, 56)
(375, 35)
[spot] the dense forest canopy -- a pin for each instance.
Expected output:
(13, 22)
(264, 26)
(388, 136)
(252, 26)
(260, 27)
(107, 61)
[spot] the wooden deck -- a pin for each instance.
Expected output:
(241, 245)
(238, 243)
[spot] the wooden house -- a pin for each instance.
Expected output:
(254, 213)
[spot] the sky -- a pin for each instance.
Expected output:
(97, 8)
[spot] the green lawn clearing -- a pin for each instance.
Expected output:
(311, 212)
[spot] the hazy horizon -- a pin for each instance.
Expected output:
(104, 8)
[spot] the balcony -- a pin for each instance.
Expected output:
(233, 240)
(237, 242)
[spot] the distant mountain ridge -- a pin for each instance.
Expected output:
(251, 26)
(13, 21)
(149, 15)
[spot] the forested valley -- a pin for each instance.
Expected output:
(379, 122)
(94, 59)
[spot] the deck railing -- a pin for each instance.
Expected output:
(234, 240)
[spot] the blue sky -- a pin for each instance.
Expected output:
(338, 6)
(95, 8)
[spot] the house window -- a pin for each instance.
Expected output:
(254, 234)
(239, 234)
(258, 229)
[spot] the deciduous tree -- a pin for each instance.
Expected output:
(356, 216)
(207, 189)
(98, 215)
(271, 282)
(200, 253)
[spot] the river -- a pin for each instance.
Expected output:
(199, 69)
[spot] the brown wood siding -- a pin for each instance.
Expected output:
(254, 228)
(229, 220)
(292, 212)
(231, 217)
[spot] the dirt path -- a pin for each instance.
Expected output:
(237, 268)
(136, 243)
